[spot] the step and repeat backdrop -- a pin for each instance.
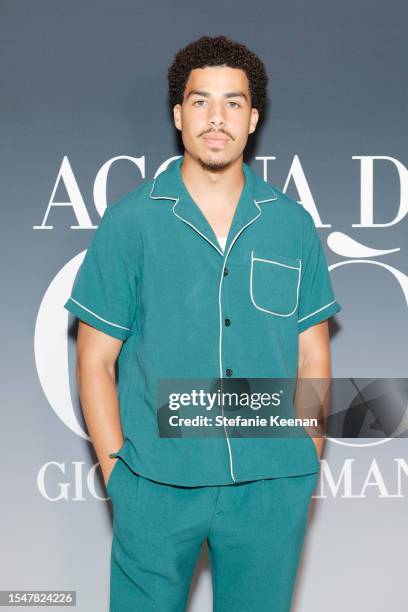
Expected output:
(85, 118)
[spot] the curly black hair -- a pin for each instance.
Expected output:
(217, 51)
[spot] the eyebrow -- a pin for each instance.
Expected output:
(206, 94)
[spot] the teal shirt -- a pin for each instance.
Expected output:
(155, 276)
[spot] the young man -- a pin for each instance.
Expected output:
(206, 271)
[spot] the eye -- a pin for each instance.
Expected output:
(235, 103)
(198, 102)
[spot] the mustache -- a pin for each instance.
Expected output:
(217, 132)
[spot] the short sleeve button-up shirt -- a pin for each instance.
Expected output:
(155, 276)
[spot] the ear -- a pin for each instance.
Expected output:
(253, 120)
(177, 116)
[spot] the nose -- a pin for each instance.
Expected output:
(216, 116)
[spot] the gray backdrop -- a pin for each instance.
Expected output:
(84, 84)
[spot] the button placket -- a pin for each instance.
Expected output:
(227, 320)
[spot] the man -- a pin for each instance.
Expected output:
(161, 292)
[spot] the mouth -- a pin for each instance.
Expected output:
(215, 140)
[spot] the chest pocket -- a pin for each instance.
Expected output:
(274, 284)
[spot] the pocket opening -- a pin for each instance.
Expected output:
(112, 473)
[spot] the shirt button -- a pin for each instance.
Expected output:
(225, 271)
(228, 372)
(227, 322)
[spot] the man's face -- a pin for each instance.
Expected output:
(216, 117)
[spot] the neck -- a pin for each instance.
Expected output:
(213, 185)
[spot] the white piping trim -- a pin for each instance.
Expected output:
(278, 314)
(198, 231)
(159, 197)
(173, 198)
(220, 313)
(176, 201)
(316, 311)
(268, 199)
(98, 317)
(276, 262)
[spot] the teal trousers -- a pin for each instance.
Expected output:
(254, 530)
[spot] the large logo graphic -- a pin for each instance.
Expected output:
(51, 338)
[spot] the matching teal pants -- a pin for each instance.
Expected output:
(254, 530)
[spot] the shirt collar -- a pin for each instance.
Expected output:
(169, 185)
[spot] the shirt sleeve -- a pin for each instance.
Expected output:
(104, 292)
(317, 301)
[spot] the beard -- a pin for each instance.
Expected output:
(213, 165)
